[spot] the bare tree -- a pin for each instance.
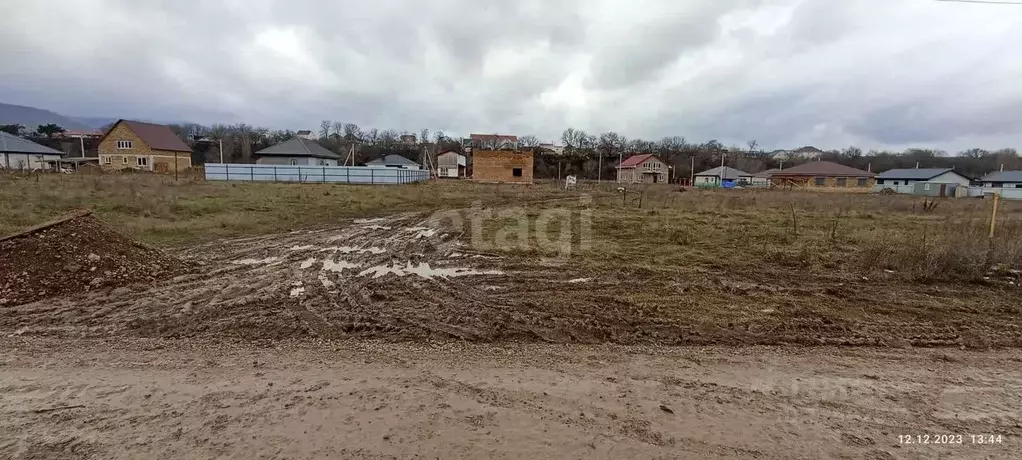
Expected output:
(324, 129)
(528, 141)
(352, 133)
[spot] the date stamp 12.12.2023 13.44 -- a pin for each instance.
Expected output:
(938, 439)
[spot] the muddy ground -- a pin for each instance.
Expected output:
(140, 398)
(407, 278)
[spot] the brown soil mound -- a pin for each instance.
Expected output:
(75, 254)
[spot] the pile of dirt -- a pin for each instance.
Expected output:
(75, 254)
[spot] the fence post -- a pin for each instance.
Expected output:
(227, 170)
(251, 173)
(372, 176)
(275, 173)
(993, 214)
(347, 176)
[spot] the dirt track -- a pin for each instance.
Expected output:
(405, 278)
(366, 400)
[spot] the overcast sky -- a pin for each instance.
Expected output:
(830, 73)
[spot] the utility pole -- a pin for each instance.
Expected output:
(221, 151)
(82, 140)
(720, 175)
(620, 159)
(599, 168)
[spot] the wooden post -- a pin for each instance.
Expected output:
(175, 164)
(372, 176)
(993, 214)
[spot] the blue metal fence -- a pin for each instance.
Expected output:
(314, 174)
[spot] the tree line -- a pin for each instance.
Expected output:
(586, 155)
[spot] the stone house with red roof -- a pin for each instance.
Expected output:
(143, 146)
(642, 169)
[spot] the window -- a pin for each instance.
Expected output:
(123, 145)
(142, 161)
(124, 160)
(998, 185)
(862, 182)
(1018, 185)
(294, 162)
(879, 181)
(842, 182)
(517, 172)
(821, 180)
(106, 160)
(895, 182)
(926, 186)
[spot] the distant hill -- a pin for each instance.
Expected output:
(32, 117)
(94, 122)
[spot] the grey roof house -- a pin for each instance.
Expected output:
(913, 175)
(1002, 179)
(725, 173)
(297, 152)
(18, 153)
(394, 161)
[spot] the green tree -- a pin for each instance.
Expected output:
(14, 129)
(49, 130)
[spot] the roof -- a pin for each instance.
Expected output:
(823, 168)
(304, 132)
(767, 173)
(913, 174)
(494, 137)
(728, 172)
(1003, 176)
(636, 160)
(807, 149)
(299, 147)
(395, 160)
(157, 137)
(15, 144)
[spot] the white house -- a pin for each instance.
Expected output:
(394, 161)
(297, 152)
(762, 179)
(903, 180)
(1002, 179)
(451, 164)
(18, 153)
(726, 174)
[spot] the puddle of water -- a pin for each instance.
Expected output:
(339, 266)
(421, 232)
(266, 261)
(298, 289)
(424, 271)
(326, 282)
(308, 263)
(349, 250)
(580, 280)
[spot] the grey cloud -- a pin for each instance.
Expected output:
(871, 72)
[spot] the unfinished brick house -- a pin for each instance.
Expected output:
(143, 146)
(823, 174)
(502, 166)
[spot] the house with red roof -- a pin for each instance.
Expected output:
(143, 146)
(642, 169)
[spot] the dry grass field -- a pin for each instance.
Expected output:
(439, 321)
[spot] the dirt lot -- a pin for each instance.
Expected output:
(405, 277)
(319, 321)
(367, 400)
